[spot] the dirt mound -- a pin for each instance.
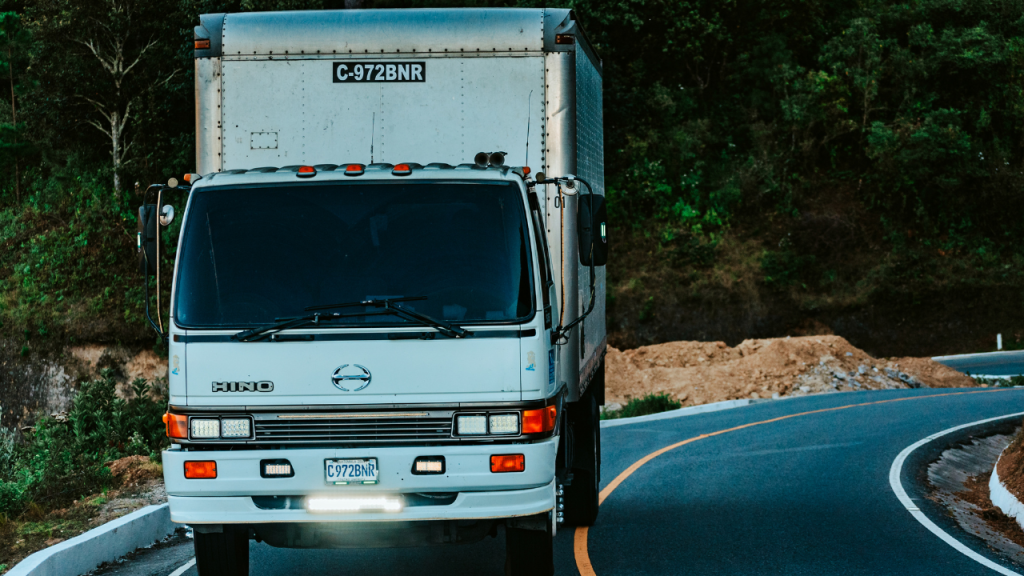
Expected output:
(1011, 466)
(703, 372)
(134, 470)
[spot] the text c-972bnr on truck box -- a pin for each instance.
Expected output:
(384, 328)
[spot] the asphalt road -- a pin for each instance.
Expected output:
(801, 495)
(988, 364)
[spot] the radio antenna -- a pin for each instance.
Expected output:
(529, 108)
(373, 130)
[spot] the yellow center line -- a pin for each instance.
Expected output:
(583, 563)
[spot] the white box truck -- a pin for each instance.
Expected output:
(386, 324)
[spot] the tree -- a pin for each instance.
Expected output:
(14, 43)
(124, 52)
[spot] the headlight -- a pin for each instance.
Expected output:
(505, 424)
(472, 425)
(235, 428)
(205, 428)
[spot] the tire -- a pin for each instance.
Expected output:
(223, 554)
(529, 552)
(581, 497)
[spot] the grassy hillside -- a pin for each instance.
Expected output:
(773, 168)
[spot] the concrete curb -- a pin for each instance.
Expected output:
(913, 505)
(105, 543)
(713, 407)
(1003, 498)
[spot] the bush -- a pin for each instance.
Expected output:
(650, 404)
(64, 458)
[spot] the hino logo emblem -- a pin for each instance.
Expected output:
(351, 374)
(264, 386)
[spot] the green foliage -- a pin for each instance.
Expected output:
(721, 117)
(1010, 382)
(718, 110)
(64, 459)
(785, 268)
(650, 404)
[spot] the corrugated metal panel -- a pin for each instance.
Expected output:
(383, 31)
(590, 167)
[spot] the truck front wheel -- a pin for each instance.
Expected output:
(529, 552)
(581, 496)
(223, 553)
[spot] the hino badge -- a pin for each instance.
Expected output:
(385, 327)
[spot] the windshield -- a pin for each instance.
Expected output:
(254, 254)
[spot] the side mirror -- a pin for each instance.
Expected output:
(166, 215)
(146, 240)
(592, 228)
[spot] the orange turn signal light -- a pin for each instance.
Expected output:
(204, 469)
(203, 44)
(526, 170)
(539, 421)
(177, 425)
(508, 463)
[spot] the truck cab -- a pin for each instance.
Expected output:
(389, 352)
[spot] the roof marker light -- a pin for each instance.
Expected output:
(306, 172)
(401, 170)
(354, 170)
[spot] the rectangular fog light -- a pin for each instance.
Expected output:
(472, 425)
(505, 424)
(353, 504)
(203, 428)
(234, 428)
(276, 469)
(428, 465)
(204, 469)
(508, 463)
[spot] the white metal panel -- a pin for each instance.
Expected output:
(465, 106)
(208, 126)
(442, 370)
(383, 31)
(560, 147)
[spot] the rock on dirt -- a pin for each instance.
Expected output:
(704, 372)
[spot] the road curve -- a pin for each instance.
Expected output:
(1009, 363)
(797, 486)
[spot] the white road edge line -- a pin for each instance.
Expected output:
(182, 570)
(897, 487)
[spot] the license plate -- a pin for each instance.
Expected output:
(352, 471)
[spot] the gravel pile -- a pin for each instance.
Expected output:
(704, 372)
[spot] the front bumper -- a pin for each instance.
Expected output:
(481, 493)
(467, 506)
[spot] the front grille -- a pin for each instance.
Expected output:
(354, 429)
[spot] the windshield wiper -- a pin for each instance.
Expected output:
(388, 304)
(261, 332)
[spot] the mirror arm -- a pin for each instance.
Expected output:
(145, 289)
(159, 189)
(562, 332)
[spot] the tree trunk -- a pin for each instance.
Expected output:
(115, 136)
(14, 124)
